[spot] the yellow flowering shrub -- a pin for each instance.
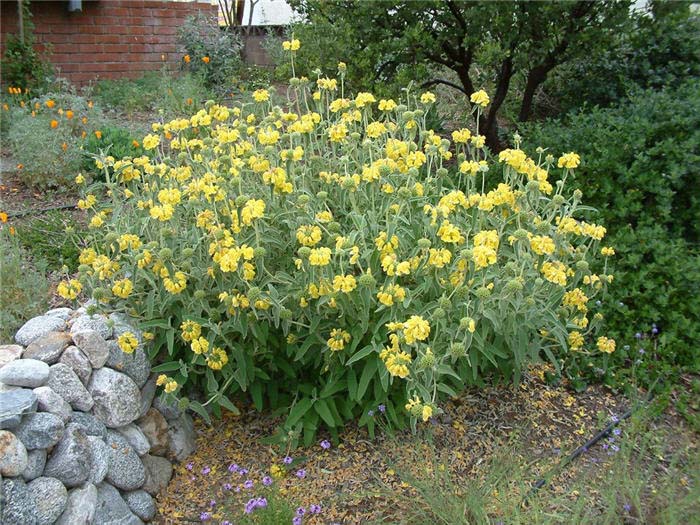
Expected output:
(260, 244)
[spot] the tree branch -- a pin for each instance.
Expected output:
(445, 82)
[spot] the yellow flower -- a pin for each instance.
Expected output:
(338, 339)
(151, 141)
(217, 359)
(292, 45)
(439, 257)
(308, 235)
(427, 412)
(261, 95)
(449, 233)
(577, 299)
(478, 141)
(387, 105)
(170, 386)
(541, 245)
(320, 256)
(416, 329)
(480, 98)
(122, 288)
(427, 97)
(461, 136)
(606, 345)
(338, 132)
(554, 272)
(253, 209)
(607, 251)
(69, 289)
(569, 160)
(575, 340)
(199, 345)
(79, 179)
(363, 99)
(128, 342)
(324, 216)
(344, 283)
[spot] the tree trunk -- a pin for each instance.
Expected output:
(534, 80)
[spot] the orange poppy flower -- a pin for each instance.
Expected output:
(69, 114)
(84, 120)
(135, 143)
(50, 104)
(205, 60)
(98, 134)
(64, 146)
(3, 216)
(187, 59)
(54, 124)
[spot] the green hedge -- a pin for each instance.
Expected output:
(641, 170)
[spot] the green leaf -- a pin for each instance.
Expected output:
(367, 374)
(199, 409)
(298, 411)
(321, 407)
(228, 404)
(364, 352)
(256, 395)
(170, 366)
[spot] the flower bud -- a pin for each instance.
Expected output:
(304, 251)
(187, 252)
(407, 115)
(413, 173)
(111, 237)
(322, 195)
(457, 350)
(200, 294)
(285, 314)
(99, 294)
(539, 282)
(533, 186)
(417, 410)
(424, 243)
(254, 293)
(514, 285)
(355, 135)
(334, 227)
(578, 194)
(165, 254)
(482, 292)
(259, 252)
(445, 303)
(582, 266)
(303, 200)
(209, 103)
(241, 200)
(182, 156)
(438, 313)
(418, 113)
(558, 200)
(427, 361)
(84, 268)
(441, 172)
(462, 292)
(367, 280)
(404, 193)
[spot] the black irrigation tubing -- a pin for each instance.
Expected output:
(22, 213)
(584, 448)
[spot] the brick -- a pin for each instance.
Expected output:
(116, 48)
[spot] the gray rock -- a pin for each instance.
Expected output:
(167, 407)
(19, 505)
(117, 398)
(155, 427)
(81, 506)
(181, 437)
(50, 497)
(136, 364)
(136, 438)
(51, 402)
(66, 384)
(122, 324)
(9, 353)
(63, 313)
(13, 455)
(13, 404)
(40, 430)
(126, 471)
(95, 322)
(70, 459)
(93, 346)
(141, 504)
(79, 363)
(112, 509)
(25, 372)
(91, 425)
(158, 473)
(100, 454)
(48, 348)
(36, 461)
(38, 326)
(148, 392)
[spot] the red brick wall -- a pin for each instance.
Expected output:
(109, 38)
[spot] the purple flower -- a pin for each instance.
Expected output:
(638, 335)
(206, 470)
(301, 473)
(189, 466)
(654, 329)
(315, 509)
(325, 444)
(248, 484)
(627, 507)
(287, 460)
(617, 431)
(233, 467)
(243, 471)
(255, 503)
(267, 481)
(212, 503)
(226, 522)
(205, 516)
(381, 408)
(370, 413)
(301, 511)
(296, 520)
(228, 486)
(615, 448)
(614, 419)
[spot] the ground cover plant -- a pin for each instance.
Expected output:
(327, 241)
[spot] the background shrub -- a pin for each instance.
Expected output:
(641, 168)
(203, 38)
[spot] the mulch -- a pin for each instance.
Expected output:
(352, 480)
